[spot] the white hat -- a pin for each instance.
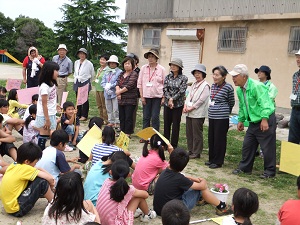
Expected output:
(239, 69)
(63, 46)
(113, 58)
(297, 53)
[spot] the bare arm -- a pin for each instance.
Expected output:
(47, 176)
(88, 205)
(24, 75)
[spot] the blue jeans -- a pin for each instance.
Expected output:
(70, 129)
(294, 132)
(151, 112)
(191, 197)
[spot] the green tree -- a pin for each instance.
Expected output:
(89, 24)
(6, 33)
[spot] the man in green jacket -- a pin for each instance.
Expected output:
(256, 107)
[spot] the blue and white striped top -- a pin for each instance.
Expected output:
(100, 150)
(223, 98)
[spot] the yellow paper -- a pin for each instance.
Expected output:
(219, 220)
(149, 132)
(123, 141)
(92, 137)
(290, 158)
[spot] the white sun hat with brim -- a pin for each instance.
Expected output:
(297, 53)
(62, 46)
(113, 58)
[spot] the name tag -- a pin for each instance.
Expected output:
(211, 103)
(293, 96)
(190, 104)
(149, 84)
(108, 85)
(97, 80)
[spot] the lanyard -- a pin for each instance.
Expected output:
(219, 89)
(297, 85)
(110, 77)
(61, 61)
(150, 77)
(196, 89)
(79, 68)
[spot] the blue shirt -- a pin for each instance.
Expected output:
(65, 65)
(100, 150)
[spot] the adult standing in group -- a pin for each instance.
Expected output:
(195, 107)
(137, 70)
(255, 106)
(32, 65)
(220, 106)
(294, 131)
(109, 83)
(126, 91)
(100, 100)
(83, 74)
(174, 89)
(65, 69)
(150, 84)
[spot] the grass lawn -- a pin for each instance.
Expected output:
(272, 192)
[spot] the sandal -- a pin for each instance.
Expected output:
(142, 141)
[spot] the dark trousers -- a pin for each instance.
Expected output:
(172, 117)
(267, 142)
(126, 118)
(194, 135)
(151, 113)
(217, 140)
(83, 110)
(294, 131)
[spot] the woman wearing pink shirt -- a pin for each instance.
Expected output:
(150, 84)
(150, 164)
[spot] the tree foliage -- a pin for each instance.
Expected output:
(6, 32)
(88, 24)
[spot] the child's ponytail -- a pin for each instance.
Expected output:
(32, 110)
(156, 142)
(119, 170)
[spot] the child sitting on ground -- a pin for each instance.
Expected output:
(106, 147)
(99, 173)
(54, 160)
(23, 184)
(10, 123)
(150, 164)
(34, 100)
(117, 201)
(29, 132)
(6, 143)
(175, 212)
(68, 206)
(67, 123)
(244, 204)
(172, 184)
(93, 121)
(15, 110)
(3, 92)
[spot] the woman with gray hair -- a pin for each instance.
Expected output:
(174, 92)
(195, 108)
(220, 106)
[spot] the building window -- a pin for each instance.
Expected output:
(151, 37)
(232, 39)
(294, 40)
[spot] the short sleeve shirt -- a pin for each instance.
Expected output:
(64, 118)
(170, 185)
(44, 89)
(289, 213)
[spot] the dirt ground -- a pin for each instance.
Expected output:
(265, 215)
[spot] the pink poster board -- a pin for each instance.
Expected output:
(83, 94)
(13, 84)
(64, 98)
(25, 95)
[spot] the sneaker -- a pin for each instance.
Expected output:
(71, 145)
(138, 212)
(68, 148)
(147, 218)
(239, 171)
(223, 212)
(266, 176)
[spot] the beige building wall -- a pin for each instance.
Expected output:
(267, 44)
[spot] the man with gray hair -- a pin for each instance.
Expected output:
(65, 69)
(256, 107)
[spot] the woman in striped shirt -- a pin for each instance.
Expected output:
(220, 106)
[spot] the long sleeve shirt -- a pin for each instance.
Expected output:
(255, 104)
(175, 87)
